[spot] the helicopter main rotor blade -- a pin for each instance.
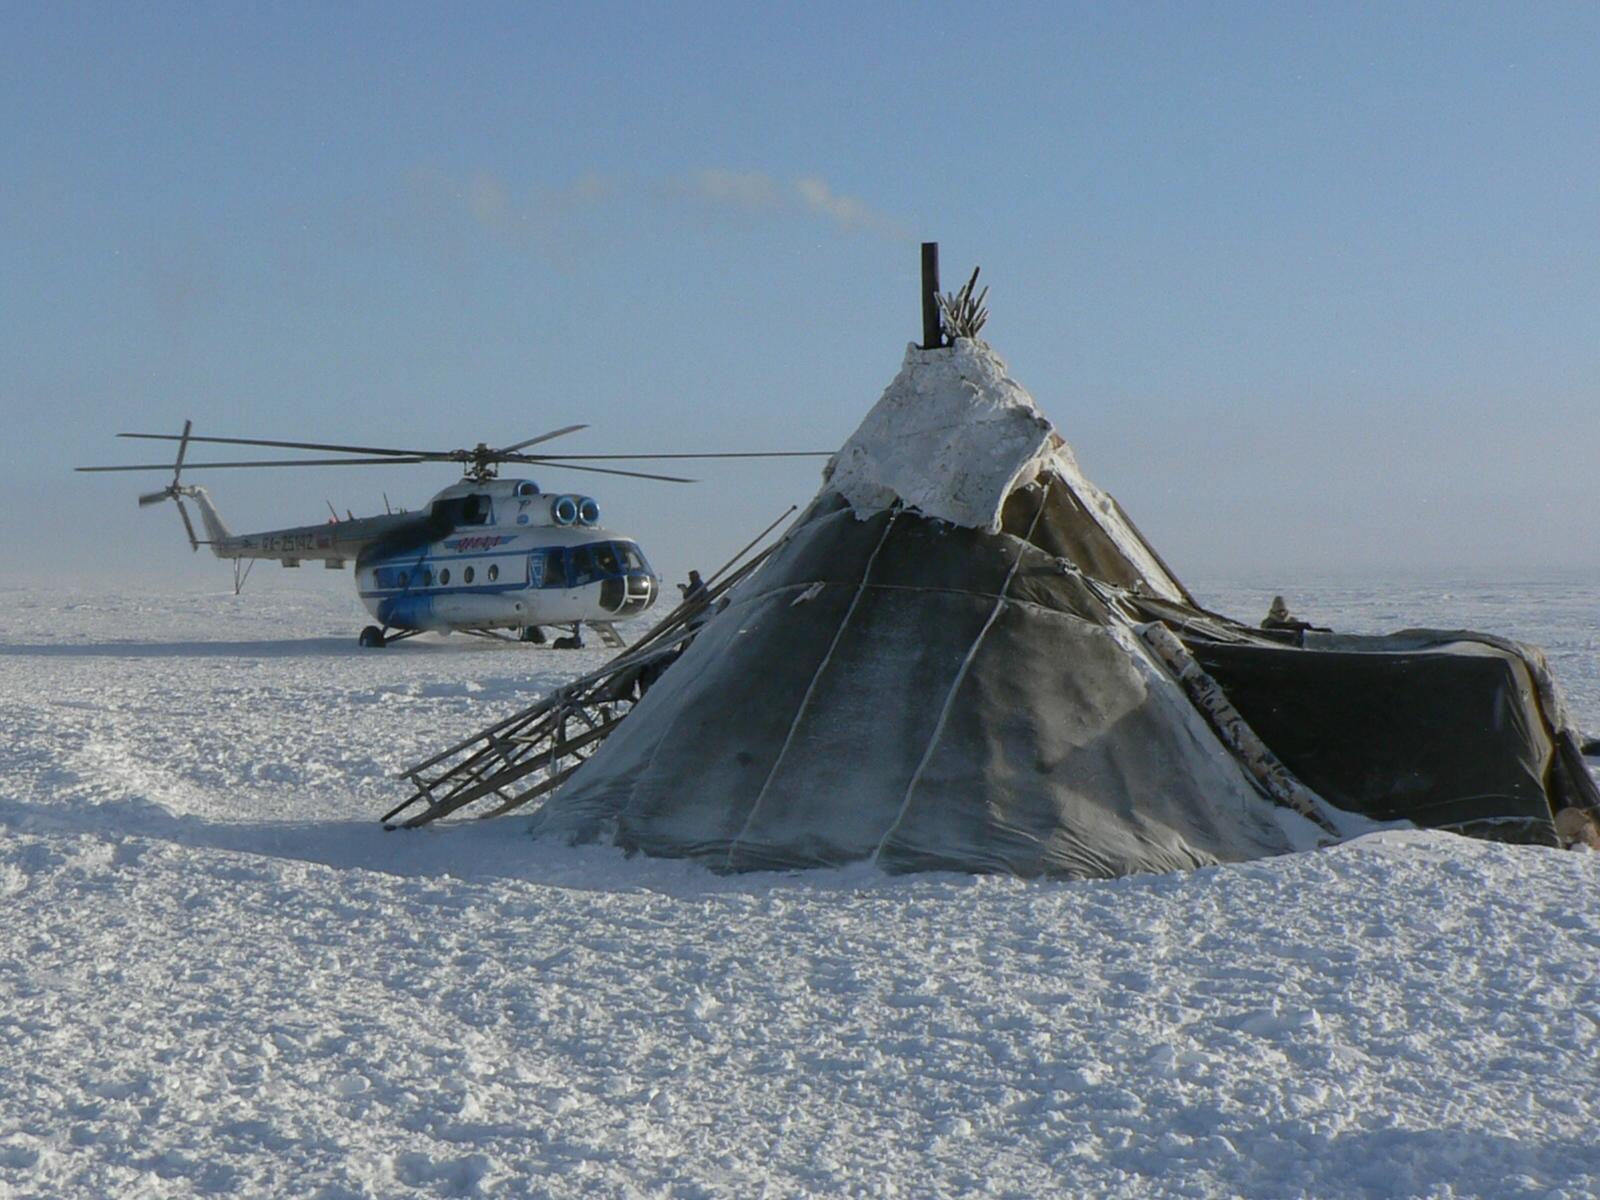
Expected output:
(276, 462)
(227, 441)
(559, 458)
(539, 462)
(543, 437)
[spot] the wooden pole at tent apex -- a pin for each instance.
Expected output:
(932, 331)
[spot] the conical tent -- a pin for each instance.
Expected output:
(924, 674)
(948, 662)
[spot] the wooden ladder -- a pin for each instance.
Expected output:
(531, 753)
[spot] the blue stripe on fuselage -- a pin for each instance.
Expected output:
(469, 589)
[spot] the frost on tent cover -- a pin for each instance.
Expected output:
(964, 655)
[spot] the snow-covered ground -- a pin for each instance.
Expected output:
(219, 976)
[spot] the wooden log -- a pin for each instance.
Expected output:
(1263, 766)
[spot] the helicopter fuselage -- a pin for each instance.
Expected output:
(485, 554)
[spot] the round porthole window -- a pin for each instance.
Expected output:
(494, 572)
(444, 576)
(466, 576)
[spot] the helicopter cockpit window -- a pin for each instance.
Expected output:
(631, 558)
(606, 557)
(580, 566)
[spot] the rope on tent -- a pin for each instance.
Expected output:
(816, 677)
(961, 675)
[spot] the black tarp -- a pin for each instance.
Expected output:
(1449, 736)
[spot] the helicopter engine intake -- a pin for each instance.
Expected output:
(567, 510)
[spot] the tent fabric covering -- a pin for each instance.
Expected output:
(925, 696)
(958, 683)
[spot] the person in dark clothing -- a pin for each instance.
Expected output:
(696, 600)
(1278, 618)
(695, 589)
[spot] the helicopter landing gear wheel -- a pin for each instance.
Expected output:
(532, 634)
(372, 638)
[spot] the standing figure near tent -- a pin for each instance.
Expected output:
(1278, 617)
(695, 597)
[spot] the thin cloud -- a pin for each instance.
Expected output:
(538, 218)
(584, 192)
(846, 212)
(756, 192)
(542, 218)
(494, 206)
(750, 191)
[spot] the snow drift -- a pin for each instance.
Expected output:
(220, 977)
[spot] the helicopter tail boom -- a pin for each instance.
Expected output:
(334, 542)
(217, 531)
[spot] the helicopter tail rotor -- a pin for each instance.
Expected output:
(175, 491)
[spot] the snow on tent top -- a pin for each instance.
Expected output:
(951, 661)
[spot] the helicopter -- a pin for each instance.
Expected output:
(487, 556)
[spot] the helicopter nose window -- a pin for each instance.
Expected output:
(631, 558)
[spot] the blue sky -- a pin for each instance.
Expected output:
(1309, 288)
